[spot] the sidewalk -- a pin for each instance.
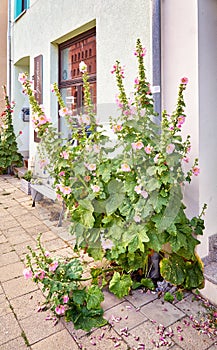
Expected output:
(141, 318)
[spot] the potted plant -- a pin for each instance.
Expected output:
(25, 182)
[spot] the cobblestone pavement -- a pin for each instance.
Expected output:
(141, 318)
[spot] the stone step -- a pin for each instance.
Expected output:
(210, 274)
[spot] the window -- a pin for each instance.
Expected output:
(19, 7)
(71, 53)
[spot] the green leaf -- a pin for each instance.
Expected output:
(79, 296)
(113, 202)
(168, 297)
(120, 285)
(94, 297)
(152, 185)
(148, 283)
(173, 270)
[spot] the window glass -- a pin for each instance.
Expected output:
(71, 53)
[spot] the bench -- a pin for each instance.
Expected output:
(49, 193)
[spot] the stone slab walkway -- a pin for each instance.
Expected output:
(141, 318)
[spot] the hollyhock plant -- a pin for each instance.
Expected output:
(129, 194)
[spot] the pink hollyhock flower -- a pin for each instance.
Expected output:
(184, 80)
(91, 167)
(148, 149)
(65, 189)
(125, 167)
(63, 112)
(95, 188)
(43, 163)
(189, 149)
(144, 194)
(60, 309)
(59, 197)
(53, 266)
(196, 170)
(61, 173)
(117, 128)
(64, 155)
(170, 148)
(138, 189)
(186, 159)
(40, 274)
(22, 77)
(42, 119)
(47, 254)
(127, 112)
(87, 178)
(156, 158)
(137, 218)
(82, 67)
(136, 81)
(181, 119)
(96, 148)
(65, 299)
(52, 87)
(171, 127)
(137, 145)
(113, 69)
(118, 102)
(27, 273)
(20, 132)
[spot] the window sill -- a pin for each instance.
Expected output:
(20, 15)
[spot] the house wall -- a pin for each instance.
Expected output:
(117, 28)
(3, 49)
(189, 48)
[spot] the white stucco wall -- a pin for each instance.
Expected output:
(189, 48)
(118, 25)
(207, 76)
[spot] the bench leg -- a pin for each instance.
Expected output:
(61, 216)
(33, 203)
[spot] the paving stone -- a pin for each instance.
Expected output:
(14, 231)
(54, 244)
(8, 222)
(36, 230)
(3, 239)
(213, 347)
(18, 238)
(110, 300)
(4, 308)
(42, 330)
(146, 333)
(124, 315)
(28, 220)
(191, 338)
(8, 258)
(3, 212)
(138, 298)
(15, 344)
(5, 247)
(162, 312)
(176, 347)
(46, 236)
(60, 340)
(77, 333)
(103, 338)
(26, 305)
(17, 211)
(9, 328)
(11, 271)
(2, 297)
(22, 249)
(1, 290)
(18, 286)
(191, 306)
